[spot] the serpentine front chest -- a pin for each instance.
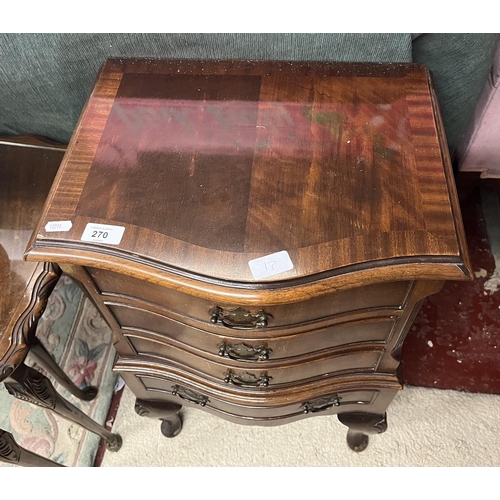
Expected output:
(259, 235)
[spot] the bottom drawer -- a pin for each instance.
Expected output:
(274, 409)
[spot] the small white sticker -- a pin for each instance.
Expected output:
(55, 226)
(103, 233)
(269, 265)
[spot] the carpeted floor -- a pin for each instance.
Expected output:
(427, 427)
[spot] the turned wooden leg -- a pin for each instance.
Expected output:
(46, 361)
(12, 453)
(27, 384)
(360, 426)
(168, 413)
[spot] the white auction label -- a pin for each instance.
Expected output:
(58, 225)
(103, 233)
(269, 265)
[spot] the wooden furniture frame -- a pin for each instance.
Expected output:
(258, 235)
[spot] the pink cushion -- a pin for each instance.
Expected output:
(479, 148)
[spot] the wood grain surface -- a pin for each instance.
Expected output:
(208, 165)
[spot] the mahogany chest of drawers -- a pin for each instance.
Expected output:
(259, 235)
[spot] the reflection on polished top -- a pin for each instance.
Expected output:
(26, 174)
(206, 166)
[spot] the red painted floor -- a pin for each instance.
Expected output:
(455, 340)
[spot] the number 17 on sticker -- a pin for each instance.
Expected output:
(103, 233)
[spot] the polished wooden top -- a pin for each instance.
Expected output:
(208, 165)
(27, 169)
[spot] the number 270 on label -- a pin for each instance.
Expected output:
(103, 233)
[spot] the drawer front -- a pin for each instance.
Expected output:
(331, 402)
(152, 333)
(385, 295)
(270, 374)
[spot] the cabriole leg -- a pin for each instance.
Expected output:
(168, 413)
(361, 425)
(12, 453)
(28, 384)
(46, 361)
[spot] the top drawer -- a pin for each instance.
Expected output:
(391, 295)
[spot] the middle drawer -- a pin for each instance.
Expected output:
(210, 369)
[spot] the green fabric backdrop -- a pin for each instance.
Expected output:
(46, 78)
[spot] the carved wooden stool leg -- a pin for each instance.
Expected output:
(27, 384)
(360, 426)
(168, 413)
(46, 361)
(12, 453)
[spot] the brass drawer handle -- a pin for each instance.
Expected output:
(189, 395)
(239, 318)
(246, 379)
(321, 404)
(244, 352)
